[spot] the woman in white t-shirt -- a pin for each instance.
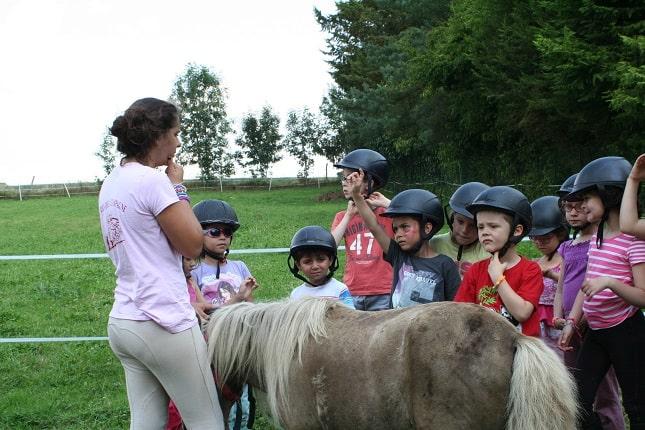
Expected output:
(147, 225)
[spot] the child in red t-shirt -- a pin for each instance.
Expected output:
(367, 275)
(506, 283)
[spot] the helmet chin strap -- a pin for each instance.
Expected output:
(511, 237)
(599, 233)
(423, 237)
(295, 271)
(221, 259)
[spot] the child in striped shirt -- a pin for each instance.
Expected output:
(611, 295)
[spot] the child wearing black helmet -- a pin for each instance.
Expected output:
(313, 252)
(461, 243)
(506, 283)
(611, 295)
(421, 275)
(547, 233)
(367, 275)
(222, 281)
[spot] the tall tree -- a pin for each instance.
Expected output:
(304, 134)
(107, 152)
(200, 97)
(260, 142)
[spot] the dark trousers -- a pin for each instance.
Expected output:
(623, 347)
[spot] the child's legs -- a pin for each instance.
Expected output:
(608, 405)
(244, 401)
(628, 357)
(591, 367)
(179, 364)
(379, 302)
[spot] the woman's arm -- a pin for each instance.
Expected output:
(181, 227)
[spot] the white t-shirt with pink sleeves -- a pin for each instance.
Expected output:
(150, 283)
(615, 259)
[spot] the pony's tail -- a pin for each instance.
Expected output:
(543, 393)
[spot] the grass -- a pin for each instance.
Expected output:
(80, 385)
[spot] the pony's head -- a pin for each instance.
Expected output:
(257, 343)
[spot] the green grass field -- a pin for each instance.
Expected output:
(80, 385)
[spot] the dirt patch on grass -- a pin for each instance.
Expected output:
(332, 195)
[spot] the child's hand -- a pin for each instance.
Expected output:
(377, 199)
(246, 290)
(559, 323)
(351, 208)
(202, 309)
(355, 181)
(592, 286)
(496, 268)
(565, 337)
(638, 171)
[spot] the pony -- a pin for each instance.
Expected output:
(441, 366)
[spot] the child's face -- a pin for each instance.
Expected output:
(464, 230)
(315, 266)
(188, 264)
(406, 231)
(546, 243)
(347, 189)
(576, 217)
(220, 243)
(493, 230)
(592, 206)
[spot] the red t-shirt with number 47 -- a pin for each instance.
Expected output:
(366, 273)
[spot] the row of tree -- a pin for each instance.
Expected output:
(500, 91)
(205, 131)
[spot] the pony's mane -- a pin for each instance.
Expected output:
(264, 338)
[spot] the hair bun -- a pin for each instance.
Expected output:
(119, 127)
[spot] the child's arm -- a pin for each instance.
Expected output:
(369, 218)
(339, 231)
(571, 325)
(518, 307)
(629, 222)
(633, 295)
(201, 306)
(377, 199)
(558, 314)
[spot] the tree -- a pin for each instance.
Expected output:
(259, 142)
(304, 134)
(204, 124)
(107, 152)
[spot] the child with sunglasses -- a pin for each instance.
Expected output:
(223, 281)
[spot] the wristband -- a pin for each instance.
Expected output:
(182, 192)
(554, 319)
(501, 279)
(572, 321)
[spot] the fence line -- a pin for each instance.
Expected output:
(51, 339)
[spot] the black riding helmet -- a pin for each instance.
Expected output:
(310, 238)
(547, 216)
(420, 204)
(507, 200)
(602, 175)
(216, 212)
(375, 166)
(464, 196)
(566, 186)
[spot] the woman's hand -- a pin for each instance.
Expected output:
(175, 172)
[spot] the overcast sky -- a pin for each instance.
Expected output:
(70, 67)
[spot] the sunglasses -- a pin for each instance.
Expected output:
(216, 232)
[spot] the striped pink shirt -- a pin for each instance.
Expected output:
(614, 259)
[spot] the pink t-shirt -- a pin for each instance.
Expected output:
(150, 282)
(366, 272)
(614, 259)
